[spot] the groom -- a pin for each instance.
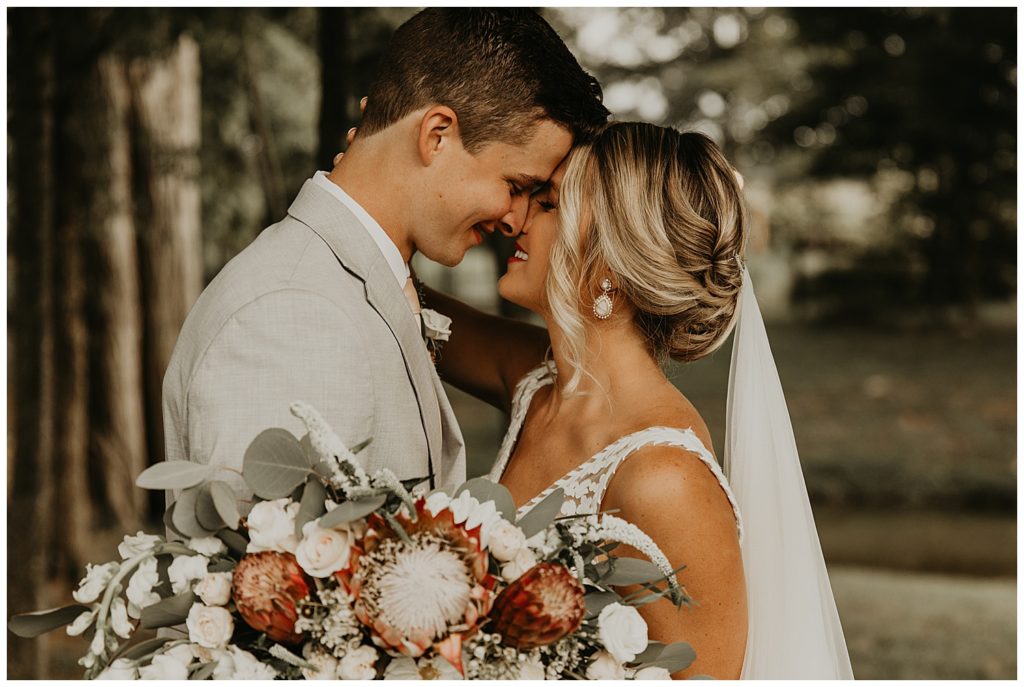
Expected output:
(470, 111)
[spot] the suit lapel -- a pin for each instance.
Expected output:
(359, 255)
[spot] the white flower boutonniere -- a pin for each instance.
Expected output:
(436, 327)
(436, 330)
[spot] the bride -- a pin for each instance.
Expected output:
(633, 253)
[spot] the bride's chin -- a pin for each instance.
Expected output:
(509, 293)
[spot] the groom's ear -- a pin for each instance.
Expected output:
(439, 131)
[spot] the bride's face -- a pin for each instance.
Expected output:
(523, 283)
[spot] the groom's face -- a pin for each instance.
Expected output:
(479, 193)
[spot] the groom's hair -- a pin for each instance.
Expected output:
(500, 70)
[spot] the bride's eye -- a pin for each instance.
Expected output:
(547, 205)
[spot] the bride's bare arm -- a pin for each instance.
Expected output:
(486, 355)
(673, 497)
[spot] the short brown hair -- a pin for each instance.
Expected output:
(500, 70)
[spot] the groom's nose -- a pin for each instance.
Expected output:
(512, 223)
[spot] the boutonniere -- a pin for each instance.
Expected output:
(436, 330)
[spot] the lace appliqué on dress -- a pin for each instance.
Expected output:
(585, 486)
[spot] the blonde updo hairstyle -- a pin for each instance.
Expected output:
(662, 211)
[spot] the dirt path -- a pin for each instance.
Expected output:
(923, 626)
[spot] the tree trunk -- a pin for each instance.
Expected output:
(165, 99)
(30, 306)
(335, 91)
(118, 405)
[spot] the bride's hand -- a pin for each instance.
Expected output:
(351, 135)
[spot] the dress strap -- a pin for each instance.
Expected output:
(685, 439)
(526, 387)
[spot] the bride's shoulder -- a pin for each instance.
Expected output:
(661, 485)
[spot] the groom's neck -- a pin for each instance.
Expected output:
(367, 174)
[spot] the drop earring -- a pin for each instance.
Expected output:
(603, 304)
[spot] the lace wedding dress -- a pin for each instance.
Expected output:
(585, 485)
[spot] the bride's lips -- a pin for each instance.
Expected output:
(519, 256)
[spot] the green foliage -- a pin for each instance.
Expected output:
(275, 464)
(174, 474)
(351, 510)
(483, 489)
(543, 514)
(41, 622)
(167, 612)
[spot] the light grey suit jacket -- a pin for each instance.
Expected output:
(309, 311)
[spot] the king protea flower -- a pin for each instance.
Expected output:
(429, 590)
(542, 606)
(267, 585)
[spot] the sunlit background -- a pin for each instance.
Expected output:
(878, 147)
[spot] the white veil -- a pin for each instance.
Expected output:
(794, 630)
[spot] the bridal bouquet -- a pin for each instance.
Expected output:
(339, 573)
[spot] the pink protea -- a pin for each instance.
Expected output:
(542, 606)
(429, 590)
(266, 588)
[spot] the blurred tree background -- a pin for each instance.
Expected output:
(146, 147)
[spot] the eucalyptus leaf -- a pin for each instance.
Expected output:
(169, 519)
(206, 511)
(174, 474)
(674, 657)
(226, 503)
(184, 517)
(351, 510)
(170, 611)
(221, 565)
(625, 570)
(143, 649)
(234, 541)
(312, 505)
(40, 622)
(596, 601)
(274, 464)
(543, 514)
(483, 489)
(204, 671)
(651, 653)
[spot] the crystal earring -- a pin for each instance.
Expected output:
(603, 303)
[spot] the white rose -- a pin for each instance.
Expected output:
(184, 570)
(506, 541)
(119, 619)
(225, 667)
(652, 673)
(164, 667)
(532, 669)
(622, 631)
(208, 546)
(134, 544)
(272, 526)
(323, 552)
(325, 666)
(358, 664)
(605, 667)
(515, 568)
(214, 589)
(94, 582)
(209, 626)
(436, 325)
(121, 669)
(81, 623)
(183, 653)
(248, 667)
(140, 587)
(437, 502)
(461, 506)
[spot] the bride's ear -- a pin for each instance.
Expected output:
(438, 132)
